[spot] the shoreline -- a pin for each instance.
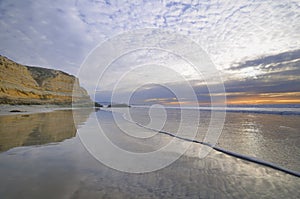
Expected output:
(239, 109)
(5, 109)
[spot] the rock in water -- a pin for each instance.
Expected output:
(21, 84)
(15, 111)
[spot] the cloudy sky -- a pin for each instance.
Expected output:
(255, 45)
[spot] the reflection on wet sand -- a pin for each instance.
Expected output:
(67, 170)
(39, 128)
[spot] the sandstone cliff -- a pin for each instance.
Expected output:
(21, 84)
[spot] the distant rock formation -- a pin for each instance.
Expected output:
(21, 84)
(98, 105)
(118, 106)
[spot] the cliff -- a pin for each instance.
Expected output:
(21, 84)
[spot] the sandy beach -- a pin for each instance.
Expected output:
(7, 109)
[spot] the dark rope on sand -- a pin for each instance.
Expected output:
(231, 153)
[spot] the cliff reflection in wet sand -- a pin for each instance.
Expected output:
(39, 128)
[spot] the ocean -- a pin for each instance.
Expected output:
(153, 153)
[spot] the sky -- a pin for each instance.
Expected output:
(255, 45)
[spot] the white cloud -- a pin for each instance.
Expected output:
(60, 34)
(42, 33)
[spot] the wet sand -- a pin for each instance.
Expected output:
(6, 109)
(271, 137)
(64, 169)
(26, 129)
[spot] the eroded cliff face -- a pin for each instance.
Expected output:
(21, 84)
